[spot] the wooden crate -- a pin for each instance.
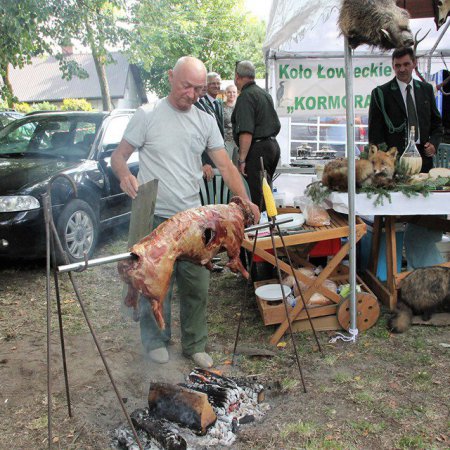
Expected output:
(274, 312)
(324, 317)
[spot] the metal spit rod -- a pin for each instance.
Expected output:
(122, 256)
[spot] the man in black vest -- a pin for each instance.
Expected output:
(255, 127)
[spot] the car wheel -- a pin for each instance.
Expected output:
(78, 230)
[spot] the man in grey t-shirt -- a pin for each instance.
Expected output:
(171, 139)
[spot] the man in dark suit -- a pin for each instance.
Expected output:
(394, 108)
(389, 121)
(213, 106)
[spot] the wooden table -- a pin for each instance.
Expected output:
(337, 229)
(418, 209)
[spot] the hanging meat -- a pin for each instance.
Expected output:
(195, 235)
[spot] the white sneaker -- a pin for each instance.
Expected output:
(159, 355)
(202, 360)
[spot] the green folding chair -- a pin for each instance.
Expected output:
(442, 156)
(215, 191)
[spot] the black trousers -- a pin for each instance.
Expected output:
(269, 150)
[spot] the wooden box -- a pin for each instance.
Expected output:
(275, 312)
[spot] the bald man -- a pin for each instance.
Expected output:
(170, 139)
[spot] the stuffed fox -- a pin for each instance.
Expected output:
(378, 170)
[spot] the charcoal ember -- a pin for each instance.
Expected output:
(234, 425)
(249, 418)
(158, 429)
(217, 395)
(123, 438)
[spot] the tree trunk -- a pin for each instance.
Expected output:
(4, 70)
(99, 61)
(104, 86)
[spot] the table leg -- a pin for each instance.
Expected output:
(391, 260)
(375, 250)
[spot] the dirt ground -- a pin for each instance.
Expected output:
(383, 392)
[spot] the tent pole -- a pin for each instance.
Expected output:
(351, 182)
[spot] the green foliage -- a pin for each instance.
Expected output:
(23, 107)
(317, 192)
(22, 25)
(97, 24)
(76, 104)
(44, 106)
(218, 33)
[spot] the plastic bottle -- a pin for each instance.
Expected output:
(279, 198)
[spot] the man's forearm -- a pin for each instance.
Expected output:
(119, 159)
(245, 141)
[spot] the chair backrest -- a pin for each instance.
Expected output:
(442, 156)
(88, 139)
(215, 191)
(59, 139)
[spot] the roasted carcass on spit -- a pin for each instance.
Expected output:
(196, 235)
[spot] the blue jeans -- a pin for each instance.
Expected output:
(192, 286)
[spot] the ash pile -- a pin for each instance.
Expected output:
(207, 410)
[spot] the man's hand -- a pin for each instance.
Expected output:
(129, 184)
(241, 167)
(208, 172)
(119, 158)
(256, 213)
(429, 149)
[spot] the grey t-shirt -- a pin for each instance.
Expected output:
(170, 144)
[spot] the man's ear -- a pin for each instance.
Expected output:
(170, 73)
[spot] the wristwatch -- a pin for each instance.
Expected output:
(241, 162)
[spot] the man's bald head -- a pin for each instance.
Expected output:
(187, 79)
(189, 63)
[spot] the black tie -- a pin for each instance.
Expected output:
(412, 116)
(216, 107)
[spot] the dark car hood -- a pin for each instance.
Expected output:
(18, 174)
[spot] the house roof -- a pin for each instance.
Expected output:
(42, 79)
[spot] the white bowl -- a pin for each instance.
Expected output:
(272, 292)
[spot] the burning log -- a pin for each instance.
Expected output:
(159, 430)
(252, 389)
(183, 406)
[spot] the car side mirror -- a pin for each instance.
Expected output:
(108, 149)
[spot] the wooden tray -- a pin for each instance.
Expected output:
(275, 313)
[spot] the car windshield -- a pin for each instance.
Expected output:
(7, 117)
(51, 136)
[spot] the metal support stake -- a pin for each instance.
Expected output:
(47, 216)
(285, 303)
(55, 240)
(299, 290)
(61, 329)
(244, 299)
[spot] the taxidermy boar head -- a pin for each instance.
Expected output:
(378, 23)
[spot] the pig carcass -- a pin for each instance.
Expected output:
(378, 23)
(196, 235)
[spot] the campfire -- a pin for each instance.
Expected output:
(208, 409)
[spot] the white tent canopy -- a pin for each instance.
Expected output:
(305, 26)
